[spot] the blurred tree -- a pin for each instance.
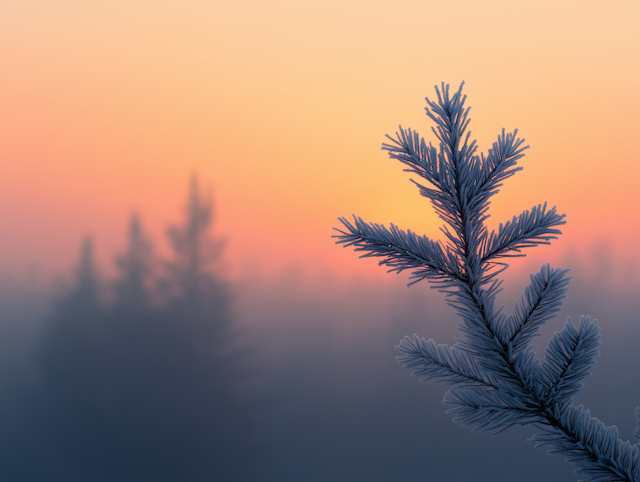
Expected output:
(133, 284)
(74, 328)
(193, 290)
(191, 277)
(84, 293)
(146, 391)
(202, 364)
(72, 360)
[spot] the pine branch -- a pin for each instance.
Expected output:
(441, 363)
(500, 382)
(410, 149)
(540, 302)
(500, 163)
(486, 410)
(531, 228)
(636, 432)
(498, 166)
(401, 251)
(586, 440)
(571, 353)
(594, 448)
(452, 120)
(480, 325)
(455, 170)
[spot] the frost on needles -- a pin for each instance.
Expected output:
(498, 380)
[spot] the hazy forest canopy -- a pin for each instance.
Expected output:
(169, 372)
(140, 374)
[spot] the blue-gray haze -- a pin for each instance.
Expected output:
(321, 396)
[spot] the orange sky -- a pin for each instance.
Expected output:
(282, 106)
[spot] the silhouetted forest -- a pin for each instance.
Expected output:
(167, 372)
(140, 374)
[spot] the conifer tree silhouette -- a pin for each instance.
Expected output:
(136, 266)
(191, 274)
(499, 381)
(71, 359)
(75, 328)
(85, 289)
(197, 321)
(142, 390)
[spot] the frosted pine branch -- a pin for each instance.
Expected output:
(401, 250)
(442, 364)
(499, 381)
(570, 356)
(594, 448)
(540, 302)
(529, 229)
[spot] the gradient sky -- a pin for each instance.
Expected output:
(281, 106)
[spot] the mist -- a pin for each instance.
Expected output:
(171, 372)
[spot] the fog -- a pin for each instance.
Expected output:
(170, 372)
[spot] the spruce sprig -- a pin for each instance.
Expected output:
(499, 381)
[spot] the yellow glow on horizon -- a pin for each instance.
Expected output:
(282, 106)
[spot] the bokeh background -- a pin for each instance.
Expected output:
(135, 134)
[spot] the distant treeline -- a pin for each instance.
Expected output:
(167, 372)
(144, 386)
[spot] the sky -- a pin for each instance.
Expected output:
(108, 107)
(281, 107)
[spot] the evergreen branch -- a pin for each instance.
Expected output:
(569, 356)
(401, 251)
(527, 366)
(636, 432)
(586, 440)
(531, 228)
(498, 166)
(480, 322)
(500, 163)
(412, 150)
(594, 448)
(501, 382)
(452, 120)
(540, 302)
(487, 410)
(590, 452)
(439, 362)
